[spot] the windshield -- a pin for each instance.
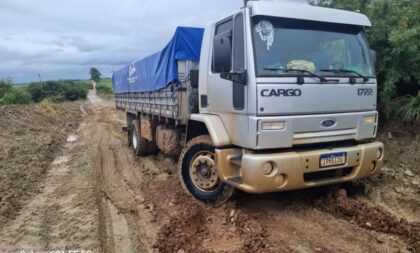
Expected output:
(319, 47)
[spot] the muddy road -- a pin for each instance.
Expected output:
(96, 195)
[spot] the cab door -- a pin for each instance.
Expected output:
(226, 86)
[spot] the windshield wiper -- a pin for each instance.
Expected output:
(338, 71)
(301, 81)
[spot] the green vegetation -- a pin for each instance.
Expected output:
(411, 108)
(56, 91)
(10, 94)
(104, 88)
(395, 35)
(95, 75)
(18, 96)
(5, 86)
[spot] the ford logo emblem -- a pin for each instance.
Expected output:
(328, 123)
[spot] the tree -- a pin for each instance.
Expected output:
(395, 35)
(358, 5)
(95, 75)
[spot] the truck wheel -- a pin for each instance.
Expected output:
(152, 148)
(138, 143)
(198, 172)
(129, 135)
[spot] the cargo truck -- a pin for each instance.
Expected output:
(277, 96)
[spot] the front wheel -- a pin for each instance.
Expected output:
(198, 172)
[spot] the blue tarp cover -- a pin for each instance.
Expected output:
(160, 69)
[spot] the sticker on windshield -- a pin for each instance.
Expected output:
(266, 31)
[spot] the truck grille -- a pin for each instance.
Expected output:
(324, 136)
(327, 175)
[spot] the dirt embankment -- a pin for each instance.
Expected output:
(397, 188)
(31, 136)
(370, 217)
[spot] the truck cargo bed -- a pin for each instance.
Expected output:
(168, 102)
(176, 101)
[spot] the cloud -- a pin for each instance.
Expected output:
(62, 39)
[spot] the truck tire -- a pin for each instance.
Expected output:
(129, 135)
(198, 172)
(152, 148)
(129, 119)
(137, 143)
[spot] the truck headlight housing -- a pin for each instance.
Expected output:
(371, 119)
(273, 125)
(379, 154)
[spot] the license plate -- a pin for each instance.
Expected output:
(330, 160)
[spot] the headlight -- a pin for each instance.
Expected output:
(273, 125)
(369, 119)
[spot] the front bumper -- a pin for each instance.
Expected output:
(250, 172)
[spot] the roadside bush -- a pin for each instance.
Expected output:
(17, 96)
(5, 86)
(410, 109)
(58, 98)
(89, 85)
(74, 92)
(58, 91)
(39, 91)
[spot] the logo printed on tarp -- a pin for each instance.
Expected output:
(132, 74)
(158, 70)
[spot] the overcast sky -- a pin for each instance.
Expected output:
(62, 39)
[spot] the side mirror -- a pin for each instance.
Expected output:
(374, 57)
(222, 52)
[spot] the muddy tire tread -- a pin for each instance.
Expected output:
(141, 142)
(227, 192)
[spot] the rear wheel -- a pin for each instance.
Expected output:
(138, 144)
(198, 172)
(152, 148)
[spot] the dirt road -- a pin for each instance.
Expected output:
(97, 196)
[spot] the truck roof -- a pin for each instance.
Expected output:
(305, 11)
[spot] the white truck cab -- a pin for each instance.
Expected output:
(273, 113)
(287, 98)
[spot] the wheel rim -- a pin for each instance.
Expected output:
(203, 172)
(134, 138)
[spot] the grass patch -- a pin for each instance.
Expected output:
(104, 89)
(47, 106)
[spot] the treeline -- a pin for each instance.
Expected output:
(57, 91)
(395, 35)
